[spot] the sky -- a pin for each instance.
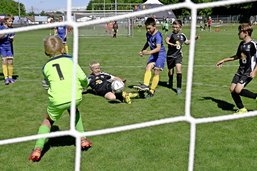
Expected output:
(50, 5)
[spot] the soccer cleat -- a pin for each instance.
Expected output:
(142, 87)
(11, 80)
(6, 81)
(86, 144)
(179, 91)
(126, 97)
(35, 155)
(149, 94)
(243, 110)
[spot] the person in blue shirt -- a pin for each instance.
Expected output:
(62, 31)
(157, 58)
(6, 50)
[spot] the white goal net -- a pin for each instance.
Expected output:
(95, 26)
(125, 26)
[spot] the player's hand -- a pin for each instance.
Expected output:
(177, 46)
(45, 84)
(141, 53)
(197, 37)
(252, 74)
(146, 52)
(220, 64)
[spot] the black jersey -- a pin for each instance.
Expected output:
(172, 50)
(246, 53)
(101, 83)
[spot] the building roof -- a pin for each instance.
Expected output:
(159, 15)
(153, 2)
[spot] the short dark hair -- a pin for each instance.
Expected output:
(179, 22)
(150, 21)
(246, 27)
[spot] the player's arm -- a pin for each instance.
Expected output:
(253, 73)
(221, 62)
(253, 52)
(167, 40)
(155, 50)
(82, 77)
(186, 41)
(144, 48)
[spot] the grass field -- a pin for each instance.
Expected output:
(229, 145)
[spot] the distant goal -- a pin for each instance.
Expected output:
(104, 29)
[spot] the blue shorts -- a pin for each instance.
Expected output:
(64, 39)
(159, 61)
(56, 111)
(6, 52)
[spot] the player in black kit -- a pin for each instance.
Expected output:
(101, 82)
(246, 54)
(175, 40)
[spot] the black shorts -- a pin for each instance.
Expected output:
(171, 62)
(242, 79)
(103, 90)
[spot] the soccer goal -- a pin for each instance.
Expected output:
(125, 26)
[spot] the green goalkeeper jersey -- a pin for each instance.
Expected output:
(58, 72)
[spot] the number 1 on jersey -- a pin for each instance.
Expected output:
(58, 69)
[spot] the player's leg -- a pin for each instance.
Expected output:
(170, 76)
(148, 73)
(236, 97)
(10, 69)
(248, 93)
(126, 97)
(54, 112)
(66, 48)
(170, 65)
(179, 77)
(85, 143)
(44, 128)
(155, 81)
(110, 96)
(147, 76)
(159, 66)
(240, 89)
(5, 70)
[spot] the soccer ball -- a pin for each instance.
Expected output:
(118, 86)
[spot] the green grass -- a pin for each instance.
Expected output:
(229, 145)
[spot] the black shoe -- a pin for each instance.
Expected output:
(149, 94)
(142, 87)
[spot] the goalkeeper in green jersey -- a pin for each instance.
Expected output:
(58, 73)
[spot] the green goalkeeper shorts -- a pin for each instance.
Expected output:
(56, 111)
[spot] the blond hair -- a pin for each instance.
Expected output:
(53, 46)
(93, 64)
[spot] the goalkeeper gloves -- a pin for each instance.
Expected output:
(45, 84)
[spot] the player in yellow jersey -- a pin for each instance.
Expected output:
(58, 73)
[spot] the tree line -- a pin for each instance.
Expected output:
(245, 10)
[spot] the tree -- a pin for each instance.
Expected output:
(11, 7)
(43, 13)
